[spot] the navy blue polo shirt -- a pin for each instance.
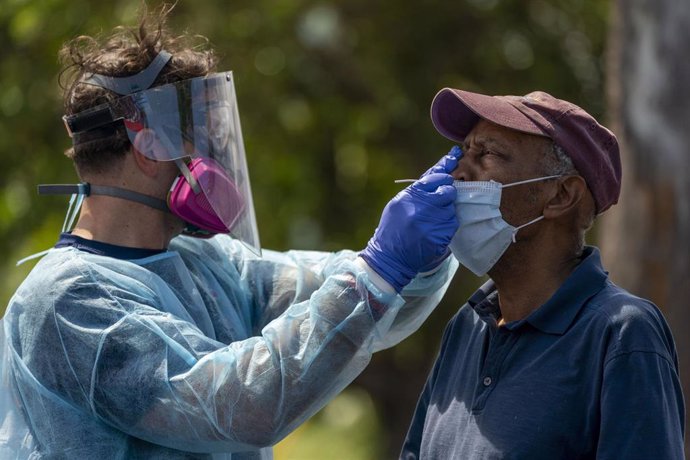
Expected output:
(592, 373)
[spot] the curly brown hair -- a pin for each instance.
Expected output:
(127, 51)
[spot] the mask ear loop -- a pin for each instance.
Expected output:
(529, 181)
(401, 181)
(523, 226)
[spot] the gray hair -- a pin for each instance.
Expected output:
(557, 162)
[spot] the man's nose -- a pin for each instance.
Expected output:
(462, 171)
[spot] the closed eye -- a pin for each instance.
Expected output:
(491, 153)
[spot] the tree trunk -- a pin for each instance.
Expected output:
(646, 238)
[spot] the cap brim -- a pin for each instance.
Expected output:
(455, 112)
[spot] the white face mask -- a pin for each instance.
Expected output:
(483, 235)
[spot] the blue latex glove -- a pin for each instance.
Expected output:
(416, 226)
(447, 163)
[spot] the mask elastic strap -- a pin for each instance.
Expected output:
(75, 213)
(78, 192)
(72, 199)
(85, 189)
(189, 177)
(525, 225)
(137, 82)
(530, 180)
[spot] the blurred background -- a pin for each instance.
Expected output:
(334, 98)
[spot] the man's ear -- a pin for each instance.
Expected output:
(570, 191)
(144, 148)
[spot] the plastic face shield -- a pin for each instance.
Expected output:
(189, 120)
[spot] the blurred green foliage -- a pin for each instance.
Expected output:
(334, 99)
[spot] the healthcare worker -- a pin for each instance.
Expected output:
(157, 328)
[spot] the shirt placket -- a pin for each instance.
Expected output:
(501, 340)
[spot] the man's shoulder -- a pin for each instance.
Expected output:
(630, 322)
(56, 265)
(48, 287)
(607, 301)
(619, 306)
(65, 274)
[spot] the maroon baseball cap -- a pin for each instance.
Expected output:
(592, 147)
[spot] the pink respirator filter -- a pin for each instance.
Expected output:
(216, 187)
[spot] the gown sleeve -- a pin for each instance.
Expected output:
(110, 347)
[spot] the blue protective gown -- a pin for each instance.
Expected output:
(205, 351)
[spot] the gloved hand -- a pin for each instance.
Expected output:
(416, 226)
(447, 163)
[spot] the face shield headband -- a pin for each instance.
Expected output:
(194, 123)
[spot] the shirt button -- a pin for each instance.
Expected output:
(487, 381)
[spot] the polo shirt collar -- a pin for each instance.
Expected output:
(558, 313)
